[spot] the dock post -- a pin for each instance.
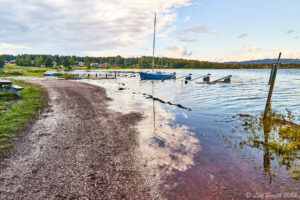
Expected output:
(272, 83)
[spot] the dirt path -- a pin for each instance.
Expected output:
(77, 149)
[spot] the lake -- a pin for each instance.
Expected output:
(200, 147)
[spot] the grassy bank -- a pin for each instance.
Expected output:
(16, 111)
(10, 70)
(14, 70)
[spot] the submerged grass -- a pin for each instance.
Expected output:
(278, 136)
(16, 111)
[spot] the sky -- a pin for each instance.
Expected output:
(206, 30)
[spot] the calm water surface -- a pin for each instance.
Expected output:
(191, 151)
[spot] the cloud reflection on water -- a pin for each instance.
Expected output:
(165, 146)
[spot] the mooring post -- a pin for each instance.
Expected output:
(272, 82)
(271, 74)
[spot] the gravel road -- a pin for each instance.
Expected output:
(76, 149)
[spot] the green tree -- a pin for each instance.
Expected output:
(66, 63)
(57, 60)
(28, 61)
(37, 61)
(71, 61)
(48, 62)
(87, 62)
(2, 62)
(20, 61)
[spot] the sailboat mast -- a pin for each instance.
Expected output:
(154, 42)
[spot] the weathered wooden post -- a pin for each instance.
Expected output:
(273, 66)
(272, 83)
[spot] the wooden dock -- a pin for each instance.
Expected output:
(104, 75)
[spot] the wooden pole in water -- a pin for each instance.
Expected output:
(272, 83)
(273, 66)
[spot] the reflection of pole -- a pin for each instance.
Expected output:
(273, 77)
(267, 155)
(153, 107)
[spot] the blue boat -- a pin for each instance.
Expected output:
(155, 76)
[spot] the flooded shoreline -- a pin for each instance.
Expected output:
(187, 149)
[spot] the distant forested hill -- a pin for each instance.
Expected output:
(145, 62)
(268, 61)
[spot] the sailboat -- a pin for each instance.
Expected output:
(155, 75)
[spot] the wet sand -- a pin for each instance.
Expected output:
(76, 149)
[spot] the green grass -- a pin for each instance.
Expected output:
(278, 135)
(26, 71)
(39, 71)
(16, 111)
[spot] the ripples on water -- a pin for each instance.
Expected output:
(178, 138)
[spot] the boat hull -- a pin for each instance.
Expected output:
(153, 76)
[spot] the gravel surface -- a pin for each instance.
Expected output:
(76, 149)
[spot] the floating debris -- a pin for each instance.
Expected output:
(149, 96)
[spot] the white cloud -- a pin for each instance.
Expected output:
(290, 31)
(273, 50)
(200, 29)
(73, 26)
(242, 35)
(247, 48)
(184, 39)
(6, 48)
(176, 52)
(254, 49)
(290, 54)
(187, 19)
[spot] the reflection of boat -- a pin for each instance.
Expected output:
(155, 75)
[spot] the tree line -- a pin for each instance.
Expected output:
(2, 62)
(138, 62)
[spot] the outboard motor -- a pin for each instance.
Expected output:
(206, 79)
(189, 77)
(227, 80)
